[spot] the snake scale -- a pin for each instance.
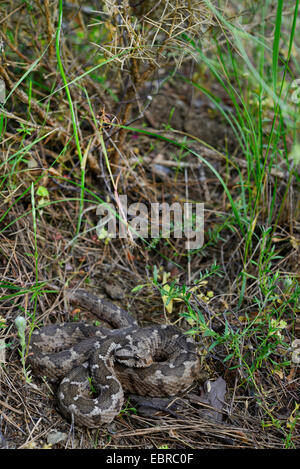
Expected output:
(156, 360)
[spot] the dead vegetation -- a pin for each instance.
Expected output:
(63, 155)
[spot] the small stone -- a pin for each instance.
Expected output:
(56, 437)
(114, 291)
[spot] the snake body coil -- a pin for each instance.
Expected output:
(150, 361)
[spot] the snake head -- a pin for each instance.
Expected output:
(133, 356)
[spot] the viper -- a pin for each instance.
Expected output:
(95, 365)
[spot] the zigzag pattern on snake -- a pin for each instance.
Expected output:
(151, 361)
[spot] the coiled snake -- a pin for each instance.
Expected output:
(151, 361)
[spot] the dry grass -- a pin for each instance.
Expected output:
(40, 242)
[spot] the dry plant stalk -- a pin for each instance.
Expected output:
(144, 36)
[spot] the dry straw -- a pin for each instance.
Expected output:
(153, 31)
(146, 35)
